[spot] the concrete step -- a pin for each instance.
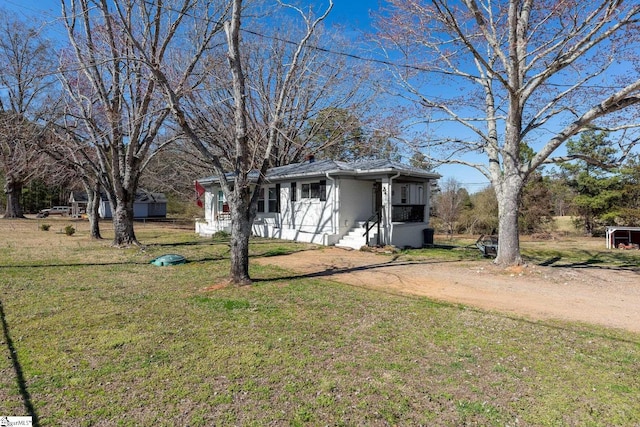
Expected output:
(355, 239)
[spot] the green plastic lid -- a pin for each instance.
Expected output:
(168, 259)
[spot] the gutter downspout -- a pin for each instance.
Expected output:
(333, 202)
(390, 205)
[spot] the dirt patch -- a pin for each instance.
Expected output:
(596, 295)
(215, 287)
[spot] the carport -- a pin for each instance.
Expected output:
(622, 237)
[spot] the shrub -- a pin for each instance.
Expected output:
(69, 230)
(221, 235)
(45, 227)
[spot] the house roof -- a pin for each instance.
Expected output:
(613, 228)
(321, 168)
(142, 196)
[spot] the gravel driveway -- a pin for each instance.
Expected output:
(596, 295)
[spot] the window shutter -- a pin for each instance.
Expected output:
(323, 190)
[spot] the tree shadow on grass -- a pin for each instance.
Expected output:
(592, 263)
(13, 356)
(106, 264)
(190, 243)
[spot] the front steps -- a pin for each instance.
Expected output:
(355, 238)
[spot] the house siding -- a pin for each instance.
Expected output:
(304, 220)
(359, 206)
(313, 215)
(408, 234)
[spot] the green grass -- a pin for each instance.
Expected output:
(102, 337)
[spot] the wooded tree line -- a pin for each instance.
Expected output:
(229, 87)
(594, 193)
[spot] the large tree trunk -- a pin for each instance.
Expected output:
(508, 195)
(241, 218)
(13, 190)
(93, 210)
(123, 224)
(240, 233)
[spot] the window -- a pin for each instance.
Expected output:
(404, 194)
(273, 200)
(261, 200)
(220, 201)
(314, 190)
(294, 192)
(272, 203)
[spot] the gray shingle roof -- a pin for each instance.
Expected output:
(141, 196)
(320, 168)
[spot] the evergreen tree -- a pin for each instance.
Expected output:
(628, 213)
(536, 208)
(480, 213)
(592, 175)
(535, 211)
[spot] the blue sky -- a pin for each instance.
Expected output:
(356, 15)
(349, 14)
(28, 7)
(353, 13)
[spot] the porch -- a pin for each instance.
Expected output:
(408, 213)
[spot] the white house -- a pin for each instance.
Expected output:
(334, 203)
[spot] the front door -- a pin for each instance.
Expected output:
(377, 197)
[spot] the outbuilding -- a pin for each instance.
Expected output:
(623, 237)
(146, 205)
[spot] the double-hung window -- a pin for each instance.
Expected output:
(261, 200)
(272, 201)
(314, 190)
(274, 193)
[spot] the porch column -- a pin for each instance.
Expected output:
(426, 190)
(387, 214)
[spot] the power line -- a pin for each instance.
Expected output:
(350, 55)
(395, 64)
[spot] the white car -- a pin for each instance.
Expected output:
(56, 210)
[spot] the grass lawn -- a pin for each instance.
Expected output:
(94, 335)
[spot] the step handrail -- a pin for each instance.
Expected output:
(374, 220)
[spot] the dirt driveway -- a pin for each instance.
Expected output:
(609, 297)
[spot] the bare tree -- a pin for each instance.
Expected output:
(114, 104)
(255, 154)
(325, 108)
(513, 70)
(25, 79)
(242, 196)
(78, 157)
(261, 113)
(449, 203)
(174, 169)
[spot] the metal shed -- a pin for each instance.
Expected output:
(622, 236)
